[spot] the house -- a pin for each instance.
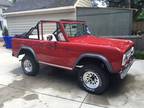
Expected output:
(3, 5)
(102, 21)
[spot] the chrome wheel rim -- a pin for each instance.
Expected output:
(91, 80)
(28, 66)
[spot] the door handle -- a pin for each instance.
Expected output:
(52, 46)
(49, 46)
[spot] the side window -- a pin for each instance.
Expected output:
(51, 31)
(74, 30)
(47, 30)
(33, 34)
(71, 29)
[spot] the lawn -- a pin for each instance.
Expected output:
(139, 54)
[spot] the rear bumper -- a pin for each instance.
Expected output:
(13, 54)
(124, 71)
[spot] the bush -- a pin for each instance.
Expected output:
(140, 17)
(5, 32)
(139, 54)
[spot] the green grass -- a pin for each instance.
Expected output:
(139, 55)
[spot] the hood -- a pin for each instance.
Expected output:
(121, 44)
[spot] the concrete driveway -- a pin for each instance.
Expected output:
(57, 89)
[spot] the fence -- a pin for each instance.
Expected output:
(107, 22)
(138, 40)
(138, 26)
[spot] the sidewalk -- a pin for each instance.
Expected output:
(57, 89)
(1, 43)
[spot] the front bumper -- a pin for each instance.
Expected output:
(125, 70)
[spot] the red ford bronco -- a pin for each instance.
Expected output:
(70, 45)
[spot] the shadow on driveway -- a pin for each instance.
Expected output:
(63, 84)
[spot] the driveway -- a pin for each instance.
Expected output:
(58, 89)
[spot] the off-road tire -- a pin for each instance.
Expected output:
(35, 66)
(101, 75)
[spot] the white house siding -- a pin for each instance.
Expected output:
(21, 24)
(84, 3)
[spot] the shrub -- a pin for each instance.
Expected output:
(5, 32)
(139, 54)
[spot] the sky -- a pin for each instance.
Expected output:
(100, 4)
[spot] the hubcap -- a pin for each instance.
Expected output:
(91, 80)
(28, 66)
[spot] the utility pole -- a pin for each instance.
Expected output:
(129, 4)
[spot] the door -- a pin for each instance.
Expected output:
(53, 45)
(48, 50)
(48, 43)
(65, 55)
(58, 54)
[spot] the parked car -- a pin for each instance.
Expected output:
(70, 45)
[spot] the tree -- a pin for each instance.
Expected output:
(13, 1)
(136, 4)
(139, 5)
(111, 3)
(118, 3)
(99, 3)
(5, 32)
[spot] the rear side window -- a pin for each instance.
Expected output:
(33, 34)
(49, 28)
(50, 31)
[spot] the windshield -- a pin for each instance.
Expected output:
(75, 30)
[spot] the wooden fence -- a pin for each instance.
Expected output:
(138, 26)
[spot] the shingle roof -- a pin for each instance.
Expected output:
(5, 3)
(25, 5)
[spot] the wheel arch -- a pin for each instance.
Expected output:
(95, 57)
(29, 51)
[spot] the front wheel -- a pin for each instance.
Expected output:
(29, 66)
(93, 79)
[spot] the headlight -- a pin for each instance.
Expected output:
(124, 59)
(132, 50)
(127, 56)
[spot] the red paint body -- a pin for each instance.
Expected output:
(65, 54)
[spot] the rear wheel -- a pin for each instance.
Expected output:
(93, 79)
(29, 65)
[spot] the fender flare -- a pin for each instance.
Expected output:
(96, 56)
(28, 49)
